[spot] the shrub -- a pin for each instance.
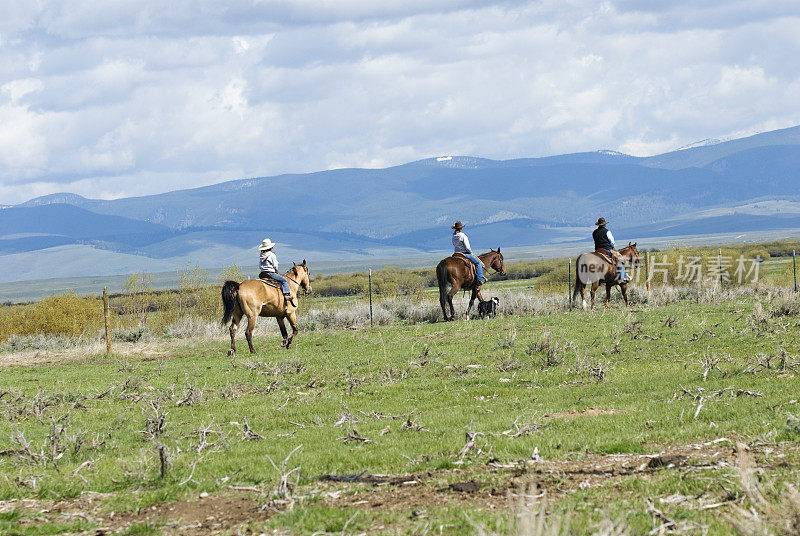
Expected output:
(64, 314)
(192, 327)
(793, 425)
(788, 305)
(131, 335)
(17, 343)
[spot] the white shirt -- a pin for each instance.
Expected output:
(611, 239)
(269, 262)
(461, 243)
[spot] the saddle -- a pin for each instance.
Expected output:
(603, 255)
(470, 267)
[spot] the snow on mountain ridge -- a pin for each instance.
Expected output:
(708, 142)
(703, 143)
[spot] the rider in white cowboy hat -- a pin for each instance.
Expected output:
(269, 268)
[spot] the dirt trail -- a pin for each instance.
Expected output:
(231, 509)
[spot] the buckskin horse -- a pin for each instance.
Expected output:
(596, 267)
(459, 272)
(254, 298)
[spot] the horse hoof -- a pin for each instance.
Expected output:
(231, 353)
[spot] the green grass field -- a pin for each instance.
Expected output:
(603, 410)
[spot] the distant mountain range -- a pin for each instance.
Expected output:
(737, 186)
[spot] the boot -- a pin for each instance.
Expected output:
(290, 299)
(621, 275)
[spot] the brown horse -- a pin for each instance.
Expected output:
(458, 272)
(254, 298)
(595, 268)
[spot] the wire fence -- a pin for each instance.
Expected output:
(126, 316)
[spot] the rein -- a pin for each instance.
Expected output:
(488, 266)
(290, 279)
(286, 275)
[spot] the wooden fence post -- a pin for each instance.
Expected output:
(794, 268)
(370, 297)
(647, 271)
(107, 320)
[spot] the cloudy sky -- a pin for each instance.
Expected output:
(120, 98)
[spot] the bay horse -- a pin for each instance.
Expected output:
(453, 271)
(595, 268)
(254, 298)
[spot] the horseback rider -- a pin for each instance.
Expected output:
(269, 268)
(461, 245)
(604, 240)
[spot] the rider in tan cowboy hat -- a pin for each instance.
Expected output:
(604, 240)
(269, 268)
(461, 245)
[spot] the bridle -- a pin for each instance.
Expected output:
(489, 265)
(633, 255)
(293, 281)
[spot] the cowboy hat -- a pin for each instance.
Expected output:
(266, 244)
(457, 225)
(601, 221)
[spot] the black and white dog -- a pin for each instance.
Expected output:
(488, 307)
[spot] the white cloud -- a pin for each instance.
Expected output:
(129, 99)
(16, 89)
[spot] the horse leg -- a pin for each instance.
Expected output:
(237, 317)
(284, 333)
(582, 291)
(292, 322)
(624, 289)
(472, 297)
(251, 325)
(453, 291)
(595, 284)
(608, 295)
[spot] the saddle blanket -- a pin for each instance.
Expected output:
(270, 282)
(602, 254)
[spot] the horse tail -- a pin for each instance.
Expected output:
(579, 285)
(230, 292)
(441, 277)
